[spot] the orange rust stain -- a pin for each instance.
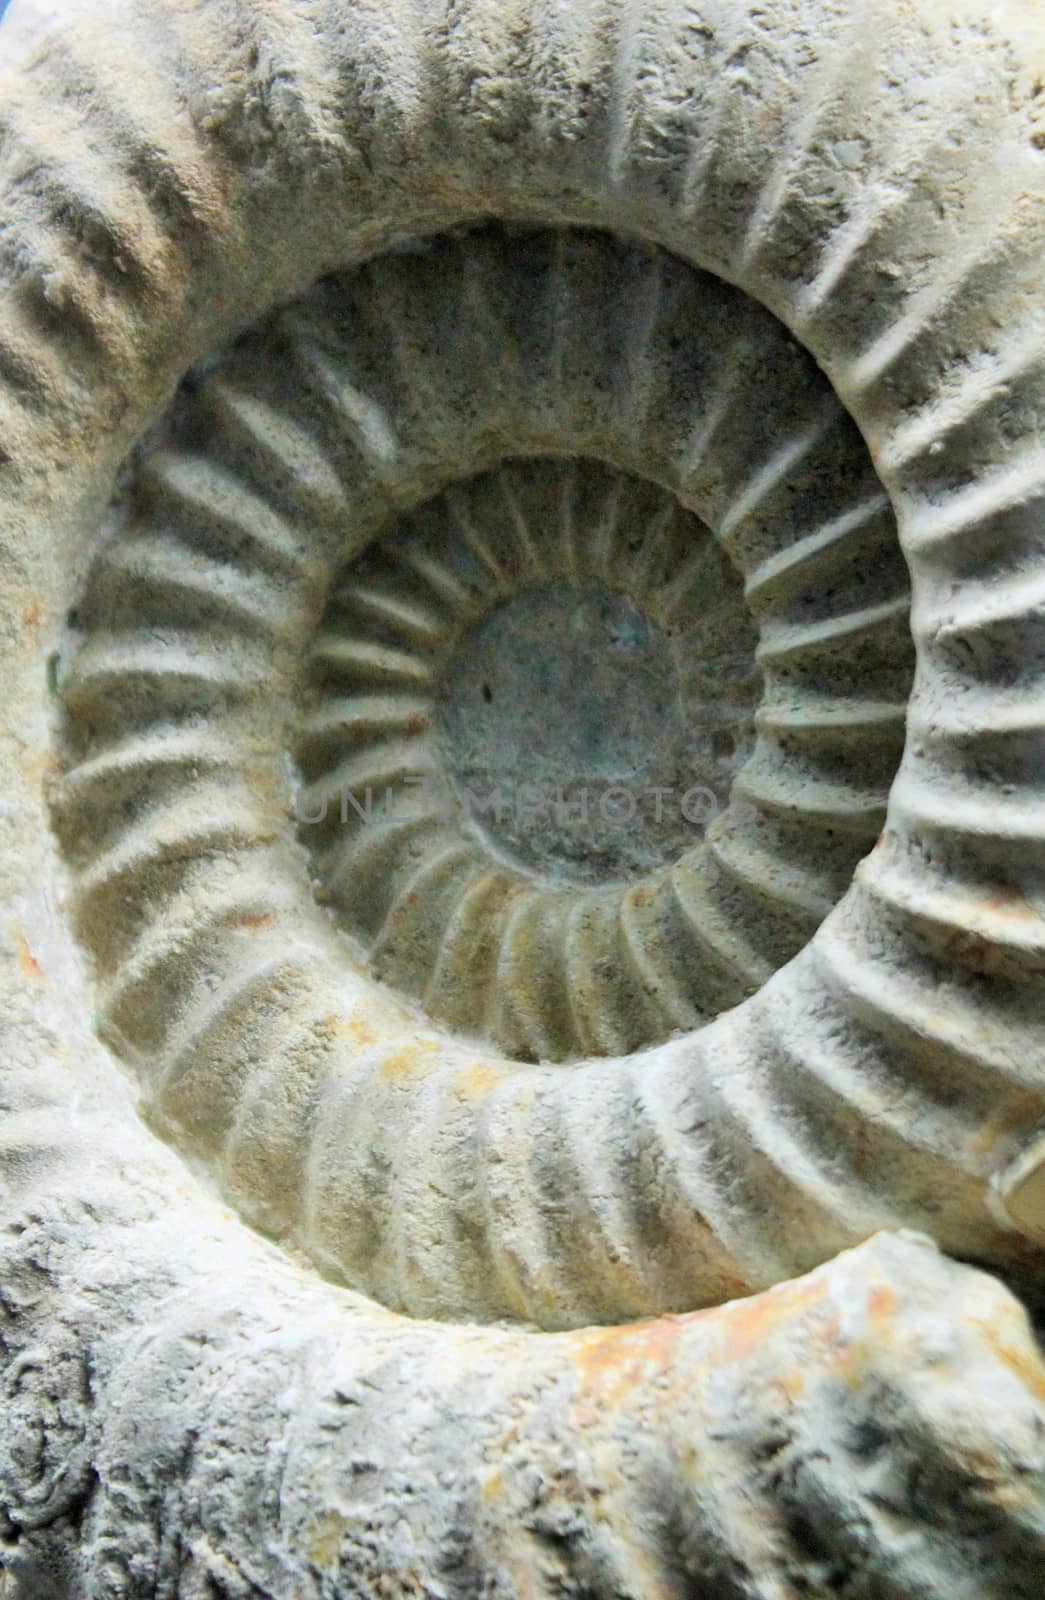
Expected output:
(749, 1322)
(850, 1360)
(847, 1364)
(1023, 1361)
(792, 1384)
(881, 1302)
(612, 1363)
(32, 614)
(27, 962)
(255, 919)
(831, 1326)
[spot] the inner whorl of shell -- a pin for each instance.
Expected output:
(528, 701)
(568, 588)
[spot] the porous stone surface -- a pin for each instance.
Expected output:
(209, 1426)
(345, 352)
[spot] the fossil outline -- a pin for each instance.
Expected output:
(338, 1119)
(202, 608)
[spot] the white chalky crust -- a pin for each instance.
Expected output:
(170, 172)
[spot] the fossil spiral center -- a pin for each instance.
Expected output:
(528, 701)
(562, 725)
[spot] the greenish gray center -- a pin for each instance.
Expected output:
(563, 731)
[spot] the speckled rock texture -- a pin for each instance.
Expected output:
(445, 1201)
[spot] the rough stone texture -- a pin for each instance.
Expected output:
(191, 1413)
(212, 1426)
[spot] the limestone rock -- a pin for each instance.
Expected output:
(633, 415)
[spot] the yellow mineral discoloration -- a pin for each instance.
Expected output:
(43, 768)
(355, 1028)
(324, 1540)
(478, 1079)
(412, 1061)
(491, 1485)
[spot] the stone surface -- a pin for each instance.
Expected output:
(700, 327)
(208, 1424)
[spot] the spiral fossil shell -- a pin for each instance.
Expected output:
(394, 339)
(404, 495)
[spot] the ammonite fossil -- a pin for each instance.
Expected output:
(523, 539)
